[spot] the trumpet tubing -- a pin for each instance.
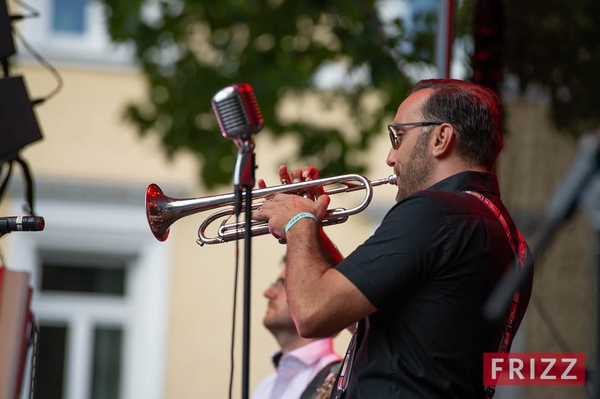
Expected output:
(163, 211)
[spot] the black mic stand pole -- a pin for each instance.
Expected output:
(560, 208)
(244, 179)
(583, 173)
(592, 204)
(596, 374)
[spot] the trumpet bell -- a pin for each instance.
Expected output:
(156, 204)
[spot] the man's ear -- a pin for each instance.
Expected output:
(444, 139)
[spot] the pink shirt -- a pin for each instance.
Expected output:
(296, 370)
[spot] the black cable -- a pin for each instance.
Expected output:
(35, 342)
(43, 62)
(29, 189)
(235, 284)
(6, 177)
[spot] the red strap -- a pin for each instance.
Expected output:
(520, 256)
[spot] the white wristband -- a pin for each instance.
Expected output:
(299, 216)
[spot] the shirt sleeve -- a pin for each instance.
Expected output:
(401, 253)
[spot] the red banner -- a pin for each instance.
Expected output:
(533, 369)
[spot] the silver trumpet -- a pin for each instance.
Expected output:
(163, 211)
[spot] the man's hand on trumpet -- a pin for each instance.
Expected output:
(298, 175)
(283, 210)
(306, 173)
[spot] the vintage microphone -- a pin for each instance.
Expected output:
(237, 112)
(239, 118)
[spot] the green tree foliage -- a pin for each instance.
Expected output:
(555, 45)
(551, 47)
(190, 49)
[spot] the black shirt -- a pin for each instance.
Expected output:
(428, 270)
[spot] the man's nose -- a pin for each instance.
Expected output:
(269, 292)
(390, 158)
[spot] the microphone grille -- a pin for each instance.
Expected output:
(237, 111)
(256, 119)
(231, 112)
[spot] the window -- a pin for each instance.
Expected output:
(99, 281)
(100, 276)
(108, 348)
(68, 16)
(100, 293)
(51, 361)
(72, 31)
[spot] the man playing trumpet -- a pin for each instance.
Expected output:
(416, 287)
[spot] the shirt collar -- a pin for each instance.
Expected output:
(483, 182)
(307, 354)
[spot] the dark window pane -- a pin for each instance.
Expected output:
(83, 278)
(51, 362)
(107, 363)
(69, 16)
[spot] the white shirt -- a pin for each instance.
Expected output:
(295, 370)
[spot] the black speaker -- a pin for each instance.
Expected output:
(7, 43)
(18, 124)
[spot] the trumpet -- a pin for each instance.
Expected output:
(163, 211)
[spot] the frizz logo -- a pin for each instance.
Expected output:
(533, 369)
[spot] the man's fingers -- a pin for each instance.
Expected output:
(310, 172)
(284, 176)
(322, 204)
(305, 173)
(297, 175)
(324, 199)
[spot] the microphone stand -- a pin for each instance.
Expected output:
(578, 182)
(244, 179)
(560, 208)
(592, 204)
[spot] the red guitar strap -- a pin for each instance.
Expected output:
(520, 252)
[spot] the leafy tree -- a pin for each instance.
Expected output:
(551, 47)
(555, 45)
(190, 49)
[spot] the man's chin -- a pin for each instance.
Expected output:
(267, 320)
(278, 325)
(270, 323)
(400, 195)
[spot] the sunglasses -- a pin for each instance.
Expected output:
(395, 134)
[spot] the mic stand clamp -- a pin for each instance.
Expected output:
(244, 172)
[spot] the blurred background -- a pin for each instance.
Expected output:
(121, 92)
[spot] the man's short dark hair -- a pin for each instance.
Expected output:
(474, 111)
